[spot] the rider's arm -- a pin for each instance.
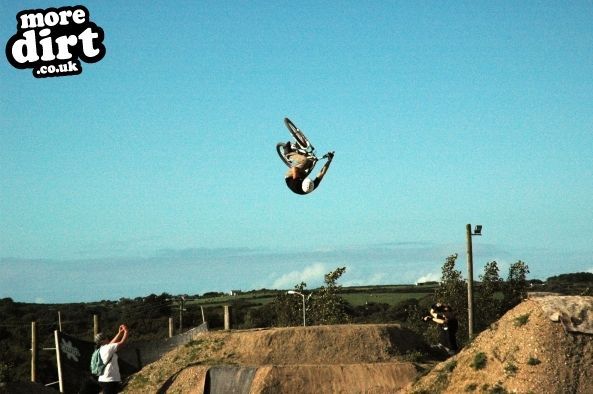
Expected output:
(323, 171)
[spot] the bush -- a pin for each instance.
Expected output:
(511, 369)
(479, 361)
(521, 320)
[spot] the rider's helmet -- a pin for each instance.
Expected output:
(308, 185)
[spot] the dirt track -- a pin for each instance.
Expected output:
(524, 352)
(322, 359)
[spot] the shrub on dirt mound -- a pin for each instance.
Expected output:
(531, 349)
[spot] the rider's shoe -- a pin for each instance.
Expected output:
(288, 147)
(330, 155)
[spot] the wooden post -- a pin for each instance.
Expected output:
(59, 321)
(96, 328)
(203, 316)
(170, 327)
(470, 283)
(33, 351)
(227, 318)
(59, 362)
(181, 316)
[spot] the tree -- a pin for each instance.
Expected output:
(453, 291)
(327, 306)
(515, 288)
(288, 308)
(488, 306)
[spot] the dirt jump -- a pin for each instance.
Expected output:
(540, 346)
(543, 345)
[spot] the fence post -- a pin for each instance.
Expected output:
(59, 362)
(170, 327)
(33, 351)
(227, 318)
(203, 316)
(96, 328)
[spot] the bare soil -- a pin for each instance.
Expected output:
(526, 351)
(320, 359)
(529, 350)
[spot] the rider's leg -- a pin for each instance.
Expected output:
(301, 161)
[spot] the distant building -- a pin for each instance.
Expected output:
(235, 293)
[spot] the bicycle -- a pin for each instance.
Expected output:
(301, 145)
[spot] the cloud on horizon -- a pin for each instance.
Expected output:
(198, 270)
(310, 275)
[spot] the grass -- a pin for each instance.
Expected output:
(357, 299)
(511, 369)
(521, 320)
(533, 361)
(356, 295)
(479, 361)
(450, 366)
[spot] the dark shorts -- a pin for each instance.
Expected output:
(110, 387)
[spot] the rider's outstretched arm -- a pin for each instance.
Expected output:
(324, 169)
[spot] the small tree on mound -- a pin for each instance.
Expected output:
(453, 291)
(488, 307)
(288, 308)
(515, 288)
(327, 306)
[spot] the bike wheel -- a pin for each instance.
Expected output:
(298, 135)
(280, 150)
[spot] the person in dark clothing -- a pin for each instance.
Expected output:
(446, 320)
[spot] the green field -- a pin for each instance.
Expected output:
(356, 296)
(357, 299)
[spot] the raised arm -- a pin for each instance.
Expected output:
(121, 337)
(324, 168)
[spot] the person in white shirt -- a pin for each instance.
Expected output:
(110, 380)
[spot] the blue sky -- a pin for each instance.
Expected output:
(155, 170)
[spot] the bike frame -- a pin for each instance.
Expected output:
(301, 145)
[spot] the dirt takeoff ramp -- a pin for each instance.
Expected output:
(542, 345)
(321, 359)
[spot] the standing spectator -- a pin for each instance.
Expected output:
(110, 380)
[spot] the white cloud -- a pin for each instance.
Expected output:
(430, 277)
(377, 278)
(310, 274)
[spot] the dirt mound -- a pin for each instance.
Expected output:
(321, 359)
(529, 350)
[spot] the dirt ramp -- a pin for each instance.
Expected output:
(229, 379)
(527, 351)
(343, 344)
(377, 378)
(353, 358)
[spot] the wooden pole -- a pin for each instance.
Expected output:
(170, 327)
(181, 316)
(33, 351)
(60, 321)
(227, 318)
(203, 316)
(470, 283)
(59, 362)
(96, 328)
